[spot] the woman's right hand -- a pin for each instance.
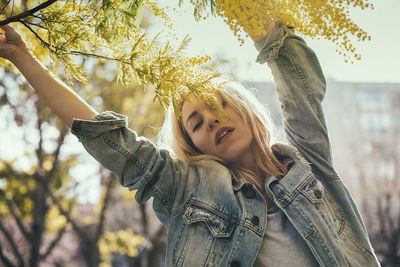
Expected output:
(61, 99)
(11, 43)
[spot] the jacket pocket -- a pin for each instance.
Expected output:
(325, 206)
(203, 238)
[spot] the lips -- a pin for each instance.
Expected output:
(221, 133)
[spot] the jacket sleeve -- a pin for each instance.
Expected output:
(135, 160)
(300, 85)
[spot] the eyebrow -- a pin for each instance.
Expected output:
(194, 113)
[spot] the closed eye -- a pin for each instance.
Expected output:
(197, 126)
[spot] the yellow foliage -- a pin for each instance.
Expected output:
(47, 164)
(128, 195)
(87, 220)
(315, 18)
(4, 209)
(123, 242)
(31, 184)
(54, 220)
(99, 30)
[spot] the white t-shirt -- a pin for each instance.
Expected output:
(282, 245)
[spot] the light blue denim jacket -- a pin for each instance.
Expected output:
(214, 221)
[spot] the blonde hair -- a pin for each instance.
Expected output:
(174, 137)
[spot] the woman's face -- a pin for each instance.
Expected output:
(229, 140)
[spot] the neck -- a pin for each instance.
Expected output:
(247, 160)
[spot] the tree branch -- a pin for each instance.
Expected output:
(39, 151)
(382, 221)
(53, 244)
(144, 219)
(4, 259)
(2, 10)
(12, 244)
(34, 24)
(110, 188)
(17, 216)
(56, 154)
(388, 213)
(82, 234)
(71, 52)
(27, 13)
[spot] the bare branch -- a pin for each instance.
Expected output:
(4, 259)
(39, 151)
(12, 244)
(17, 216)
(144, 219)
(71, 52)
(82, 234)
(110, 188)
(56, 154)
(46, 44)
(34, 24)
(53, 243)
(27, 13)
(2, 10)
(388, 213)
(382, 217)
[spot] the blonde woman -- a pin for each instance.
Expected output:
(226, 194)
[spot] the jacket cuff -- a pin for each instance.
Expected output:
(103, 122)
(269, 46)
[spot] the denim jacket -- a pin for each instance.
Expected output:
(213, 220)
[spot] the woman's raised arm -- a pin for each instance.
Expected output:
(61, 99)
(301, 87)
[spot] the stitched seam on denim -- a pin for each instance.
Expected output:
(174, 251)
(302, 77)
(89, 133)
(213, 210)
(103, 122)
(130, 157)
(368, 255)
(127, 154)
(305, 217)
(164, 199)
(205, 255)
(297, 190)
(315, 234)
(244, 223)
(181, 209)
(331, 178)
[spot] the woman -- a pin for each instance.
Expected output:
(228, 198)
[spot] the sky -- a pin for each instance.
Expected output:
(380, 58)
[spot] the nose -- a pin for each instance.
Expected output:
(211, 119)
(212, 123)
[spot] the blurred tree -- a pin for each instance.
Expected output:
(24, 195)
(381, 199)
(42, 200)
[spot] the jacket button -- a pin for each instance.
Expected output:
(318, 193)
(249, 192)
(235, 264)
(255, 220)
